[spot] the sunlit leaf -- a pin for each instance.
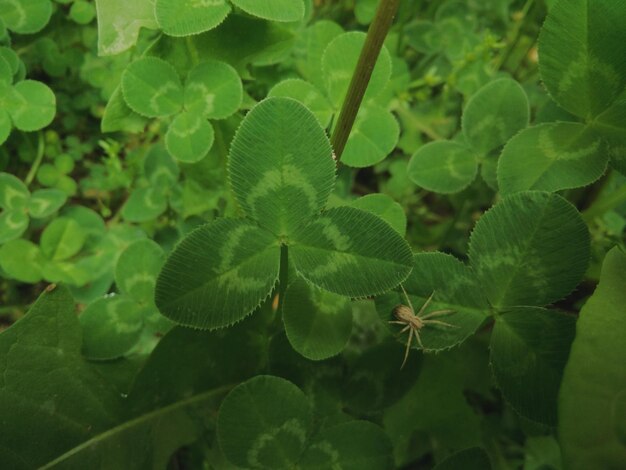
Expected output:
(32, 105)
(532, 248)
(350, 252)
(22, 260)
(119, 23)
(274, 10)
(189, 137)
(213, 89)
(62, 239)
(218, 274)
(187, 17)
(25, 16)
(45, 202)
(308, 95)
(13, 192)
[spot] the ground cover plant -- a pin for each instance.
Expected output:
(313, 234)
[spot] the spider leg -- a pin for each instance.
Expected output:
(406, 296)
(403, 330)
(438, 322)
(397, 322)
(408, 346)
(419, 340)
(426, 304)
(437, 313)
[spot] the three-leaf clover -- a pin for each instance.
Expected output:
(19, 205)
(212, 90)
(281, 172)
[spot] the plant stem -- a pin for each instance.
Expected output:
(41, 147)
(376, 35)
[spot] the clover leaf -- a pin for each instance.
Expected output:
(19, 205)
(25, 16)
(152, 88)
(281, 172)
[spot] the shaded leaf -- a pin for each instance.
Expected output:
(22, 260)
(213, 89)
(32, 105)
(474, 458)
(137, 270)
(187, 17)
(384, 207)
(189, 137)
(274, 10)
(308, 95)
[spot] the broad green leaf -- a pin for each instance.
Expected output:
(137, 270)
(281, 167)
(159, 167)
(611, 125)
(119, 23)
(453, 286)
(119, 117)
(532, 248)
(309, 49)
(273, 10)
(12, 59)
(374, 136)
(581, 56)
(339, 62)
(592, 399)
(443, 167)
(551, 157)
(5, 126)
(25, 16)
(213, 89)
(6, 74)
(152, 87)
(13, 192)
(45, 202)
(218, 274)
(187, 17)
(189, 137)
(144, 204)
(318, 323)
(32, 105)
(474, 458)
(111, 327)
(13, 223)
(495, 114)
(350, 252)
(43, 418)
(355, 445)
(385, 208)
(62, 239)
(529, 349)
(308, 95)
(22, 260)
(277, 418)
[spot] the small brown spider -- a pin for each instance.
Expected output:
(415, 322)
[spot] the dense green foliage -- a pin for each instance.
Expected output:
(191, 278)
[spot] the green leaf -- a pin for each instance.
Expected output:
(152, 88)
(111, 327)
(473, 458)
(308, 95)
(280, 166)
(551, 157)
(187, 17)
(580, 54)
(32, 105)
(273, 10)
(44, 418)
(137, 269)
(119, 23)
(529, 349)
(145, 204)
(374, 136)
(276, 418)
(309, 49)
(443, 166)
(495, 114)
(62, 239)
(355, 445)
(13, 223)
(22, 260)
(45, 202)
(318, 323)
(13, 193)
(592, 399)
(25, 16)
(350, 252)
(6, 74)
(159, 167)
(218, 274)
(5, 126)
(384, 207)
(213, 89)
(119, 117)
(532, 248)
(455, 288)
(82, 12)
(339, 62)
(189, 137)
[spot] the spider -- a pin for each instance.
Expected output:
(413, 322)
